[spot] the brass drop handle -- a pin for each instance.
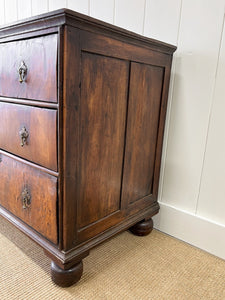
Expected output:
(22, 71)
(23, 136)
(26, 198)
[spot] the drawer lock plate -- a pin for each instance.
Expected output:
(26, 199)
(23, 136)
(22, 72)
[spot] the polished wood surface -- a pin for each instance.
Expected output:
(65, 278)
(40, 57)
(146, 83)
(104, 84)
(142, 228)
(103, 45)
(95, 113)
(41, 126)
(15, 178)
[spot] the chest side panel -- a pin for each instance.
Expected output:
(104, 82)
(114, 102)
(146, 82)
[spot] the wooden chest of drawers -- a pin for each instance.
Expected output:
(82, 109)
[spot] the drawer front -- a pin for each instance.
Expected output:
(28, 69)
(29, 194)
(29, 132)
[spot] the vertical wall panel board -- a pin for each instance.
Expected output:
(212, 193)
(129, 14)
(39, 7)
(24, 9)
(56, 4)
(162, 20)
(198, 47)
(103, 10)
(10, 11)
(158, 14)
(81, 6)
(2, 12)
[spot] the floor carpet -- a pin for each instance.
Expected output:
(125, 267)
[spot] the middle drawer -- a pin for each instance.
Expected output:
(29, 132)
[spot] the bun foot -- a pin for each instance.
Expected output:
(65, 278)
(142, 228)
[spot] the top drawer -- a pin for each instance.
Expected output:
(28, 69)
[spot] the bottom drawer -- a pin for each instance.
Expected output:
(30, 194)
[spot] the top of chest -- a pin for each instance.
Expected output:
(52, 21)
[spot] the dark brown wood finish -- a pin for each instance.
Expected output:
(142, 228)
(50, 20)
(146, 83)
(40, 124)
(94, 104)
(18, 181)
(161, 125)
(104, 45)
(70, 136)
(104, 83)
(65, 278)
(40, 57)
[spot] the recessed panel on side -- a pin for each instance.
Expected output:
(142, 127)
(103, 104)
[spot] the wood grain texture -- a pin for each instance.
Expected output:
(15, 177)
(112, 87)
(69, 135)
(72, 18)
(40, 57)
(101, 44)
(41, 125)
(142, 128)
(104, 85)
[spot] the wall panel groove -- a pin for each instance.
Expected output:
(169, 105)
(210, 114)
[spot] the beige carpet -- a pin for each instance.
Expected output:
(126, 267)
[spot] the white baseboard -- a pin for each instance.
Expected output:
(190, 228)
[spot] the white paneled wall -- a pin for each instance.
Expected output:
(2, 12)
(103, 10)
(196, 65)
(211, 202)
(39, 7)
(23, 9)
(162, 22)
(192, 184)
(56, 4)
(11, 11)
(81, 6)
(130, 14)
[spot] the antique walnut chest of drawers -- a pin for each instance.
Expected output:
(82, 111)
